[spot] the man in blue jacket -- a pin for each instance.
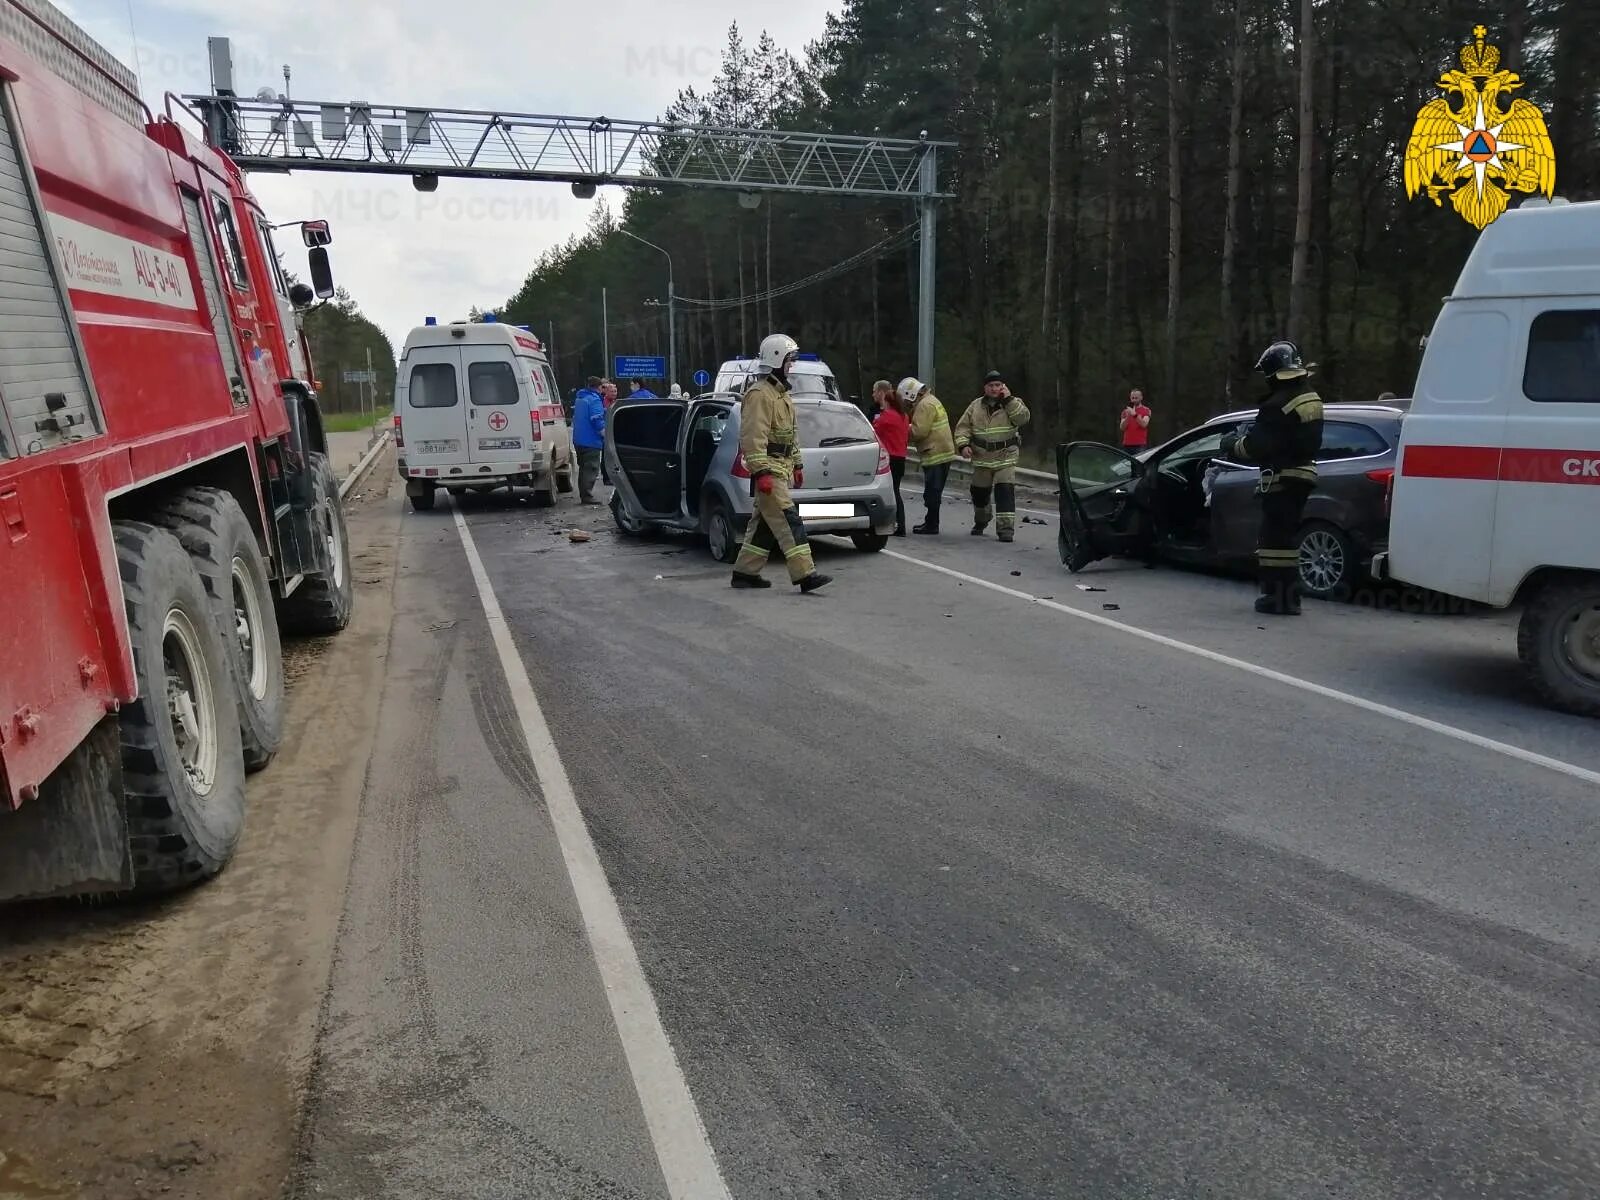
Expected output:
(589, 436)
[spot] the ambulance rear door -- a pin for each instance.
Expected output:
(1442, 526)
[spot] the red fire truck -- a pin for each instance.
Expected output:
(166, 500)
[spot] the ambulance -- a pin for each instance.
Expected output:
(476, 408)
(1496, 497)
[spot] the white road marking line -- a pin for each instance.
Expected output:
(1304, 685)
(682, 1146)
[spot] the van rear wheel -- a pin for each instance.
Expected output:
(1558, 641)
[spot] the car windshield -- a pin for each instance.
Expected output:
(832, 425)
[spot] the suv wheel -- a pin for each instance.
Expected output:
(1559, 643)
(1327, 561)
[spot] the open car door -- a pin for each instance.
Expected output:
(1100, 513)
(643, 455)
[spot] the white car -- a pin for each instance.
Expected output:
(476, 407)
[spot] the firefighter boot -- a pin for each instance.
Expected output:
(741, 580)
(981, 512)
(814, 581)
(1274, 598)
(1005, 501)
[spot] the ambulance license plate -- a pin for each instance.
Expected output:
(818, 511)
(499, 443)
(443, 447)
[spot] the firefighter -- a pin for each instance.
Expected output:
(1283, 441)
(930, 434)
(987, 437)
(771, 449)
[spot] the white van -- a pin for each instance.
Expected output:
(809, 376)
(1497, 492)
(476, 407)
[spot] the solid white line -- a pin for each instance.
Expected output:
(682, 1146)
(361, 467)
(1305, 685)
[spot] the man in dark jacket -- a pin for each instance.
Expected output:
(1283, 441)
(589, 436)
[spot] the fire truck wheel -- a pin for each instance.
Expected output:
(322, 604)
(1558, 641)
(182, 761)
(218, 536)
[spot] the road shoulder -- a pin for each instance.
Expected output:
(164, 1049)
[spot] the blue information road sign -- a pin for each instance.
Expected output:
(639, 366)
(702, 379)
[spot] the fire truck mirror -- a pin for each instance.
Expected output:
(321, 273)
(301, 295)
(315, 233)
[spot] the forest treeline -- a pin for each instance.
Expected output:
(1146, 191)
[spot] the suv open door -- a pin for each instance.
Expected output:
(1100, 511)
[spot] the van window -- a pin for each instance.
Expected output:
(491, 383)
(433, 385)
(1465, 360)
(1563, 364)
(1343, 439)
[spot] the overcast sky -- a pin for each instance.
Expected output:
(404, 255)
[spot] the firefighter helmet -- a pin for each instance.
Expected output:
(776, 349)
(1280, 358)
(910, 388)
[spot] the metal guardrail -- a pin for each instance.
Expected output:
(1027, 472)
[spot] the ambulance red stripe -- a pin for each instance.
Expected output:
(1511, 465)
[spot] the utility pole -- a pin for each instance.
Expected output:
(372, 392)
(605, 336)
(672, 306)
(930, 226)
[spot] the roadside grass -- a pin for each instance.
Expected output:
(353, 422)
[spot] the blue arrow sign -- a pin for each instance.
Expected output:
(702, 379)
(639, 366)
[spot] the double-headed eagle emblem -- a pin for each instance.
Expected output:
(1485, 149)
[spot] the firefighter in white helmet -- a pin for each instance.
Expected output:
(769, 442)
(936, 449)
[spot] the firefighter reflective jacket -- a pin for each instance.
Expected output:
(767, 435)
(930, 432)
(990, 428)
(1287, 433)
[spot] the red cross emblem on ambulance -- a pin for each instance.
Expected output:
(497, 421)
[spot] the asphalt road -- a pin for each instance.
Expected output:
(944, 892)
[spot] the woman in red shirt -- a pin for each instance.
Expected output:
(894, 430)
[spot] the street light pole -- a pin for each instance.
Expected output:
(672, 307)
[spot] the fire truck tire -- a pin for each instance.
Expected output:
(218, 536)
(1558, 641)
(322, 604)
(182, 760)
